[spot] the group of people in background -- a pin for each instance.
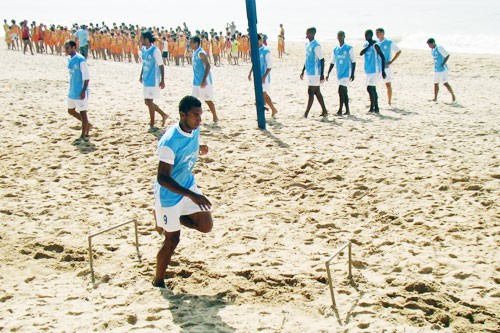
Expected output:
(379, 55)
(123, 42)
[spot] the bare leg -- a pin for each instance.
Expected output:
(436, 91)
(389, 92)
(447, 85)
(321, 101)
(269, 102)
(310, 92)
(211, 106)
(163, 115)
(151, 108)
(75, 114)
(85, 124)
(164, 255)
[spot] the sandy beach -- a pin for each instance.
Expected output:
(416, 191)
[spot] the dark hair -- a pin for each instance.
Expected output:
(188, 103)
(196, 39)
(311, 30)
(380, 30)
(259, 37)
(341, 33)
(431, 41)
(369, 32)
(148, 35)
(70, 42)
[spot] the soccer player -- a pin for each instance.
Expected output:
(315, 69)
(374, 64)
(203, 87)
(441, 57)
(78, 96)
(391, 52)
(82, 36)
(152, 77)
(266, 64)
(343, 56)
(178, 201)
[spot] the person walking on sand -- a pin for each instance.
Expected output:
(152, 77)
(266, 64)
(441, 57)
(78, 96)
(178, 201)
(314, 67)
(391, 52)
(343, 56)
(203, 87)
(374, 64)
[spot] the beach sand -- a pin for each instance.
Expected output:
(415, 190)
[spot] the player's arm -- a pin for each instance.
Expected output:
(250, 74)
(140, 76)
(86, 78)
(164, 179)
(302, 74)
(381, 55)
(370, 43)
(395, 57)
(269, 61)
(159, 63)
(353, 69)
(445, 60)
(330, 70)
(203, 58)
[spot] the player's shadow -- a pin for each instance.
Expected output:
(386, 117)
(197, 313)
(402, 112)
(84, 147)
(275, 124)
(361, 120)
(158, 133)
(277, 140)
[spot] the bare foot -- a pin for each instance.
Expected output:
(164, 120)
(273, 114)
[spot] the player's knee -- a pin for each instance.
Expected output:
(206, 226)
(172, 240)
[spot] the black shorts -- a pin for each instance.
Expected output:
(26, 38)
(164, 54)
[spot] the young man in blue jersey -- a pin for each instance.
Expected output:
(391, 52)
(315, 68)
(203, 87)
(343, 56)
(266, 64)
(178, 201)
(152, 77)
(78, 96)
(374, 64)
(441, 57)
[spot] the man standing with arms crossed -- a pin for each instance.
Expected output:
(203, 87)
(374, 64)
(152, 77)
(78, 96)
(343, 56)
(391, 52)
(315, 69)
(177, 198)
(441, 57)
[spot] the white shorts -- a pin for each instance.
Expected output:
(234, 54)
(205, 94)
(344, 81)
(79, 104)
(441, 77)
(169, 218)
(15, 36)
(151, 92)
(314, 80)
(266, 87)
(372, 79)
(388, 75)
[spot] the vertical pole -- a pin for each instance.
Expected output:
(330, 283)
(350, 259)
(91, 255)
(137, 240)
(257, 75)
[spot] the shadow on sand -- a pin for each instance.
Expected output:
(197, 313)
(85, 147)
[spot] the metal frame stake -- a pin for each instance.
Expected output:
(328, 272)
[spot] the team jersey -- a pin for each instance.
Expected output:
(179, 149)
(78, 73)
(199, 68)
(314, 55)
(372, 60)
(343, 57)
(265, 61)
(439, 54)
(388, 48)
(151, 60)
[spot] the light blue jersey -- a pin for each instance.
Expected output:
(344, 58)
(386, 47)
(185, 147)
(373, 62)
(263, 52)
(199, 68)
(150, 69)
(83, 37)
(313, 62)
(439, 54)
(77, 78)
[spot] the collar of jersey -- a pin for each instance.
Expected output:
(187, 135)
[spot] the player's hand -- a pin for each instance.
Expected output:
(162, 85)
(140, 79)
(302, 76)
(352, 78)
(249, 77)
(203, 84)
(203, 150)
(384, 75)
(263, 80)
(389, 63)
(82, 95)
(201, 201)
(322, 79)
(327, 77)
